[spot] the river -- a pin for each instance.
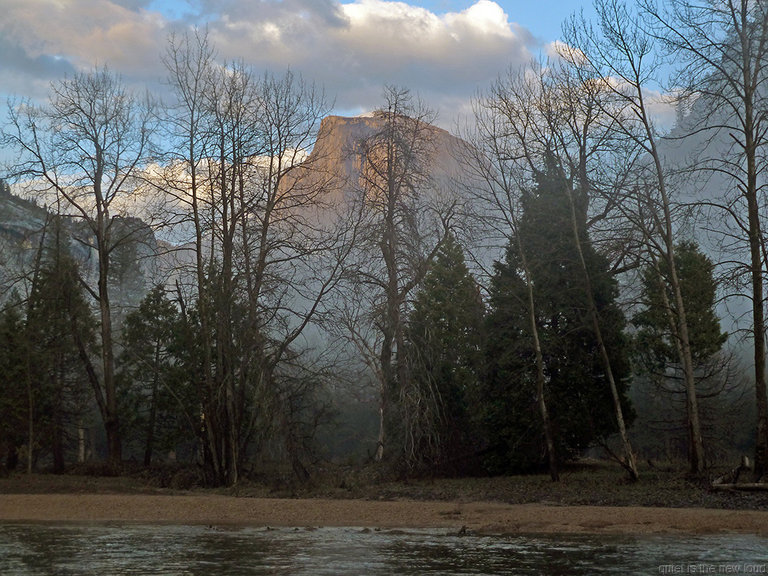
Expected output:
(105, 549)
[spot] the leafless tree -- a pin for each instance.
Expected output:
(722, 50)
(619, 55)
(266, 250)
(401, 223)
(85, 147)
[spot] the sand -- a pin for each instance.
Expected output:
(481, 517)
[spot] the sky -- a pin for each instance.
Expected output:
(443, 50)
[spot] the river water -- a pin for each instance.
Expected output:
(106, 549)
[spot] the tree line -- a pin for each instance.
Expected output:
(500, 319)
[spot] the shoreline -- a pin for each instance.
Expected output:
(486, 517)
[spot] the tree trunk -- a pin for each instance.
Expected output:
(546, 424)
(30, 421)
(629, 463)
(58, 445)
(758, 329)
(554, 474)
(697, 460)
(755, 247)
(386, 387)
(391, 321)
(111, 415)
(681, 321)
(381, 438)
(80, 443)
(695, 441)
(150, 440)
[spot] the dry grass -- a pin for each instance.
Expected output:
(591, 483)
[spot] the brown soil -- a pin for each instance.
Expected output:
(527, 504)
(486, 517)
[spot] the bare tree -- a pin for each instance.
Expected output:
(401, 225)
(85, 147)
(266, 251)
(722, 48)
(619, 56)
(191, 65)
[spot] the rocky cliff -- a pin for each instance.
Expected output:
(337, 149)
(22, 225)
(333, 164)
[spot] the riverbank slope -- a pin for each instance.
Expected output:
(454, 516)
(590, 498)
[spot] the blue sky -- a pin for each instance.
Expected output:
(445, 50)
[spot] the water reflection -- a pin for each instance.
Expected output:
(43, 549)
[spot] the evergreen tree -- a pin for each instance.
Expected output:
(656, 341)
(156, 398)
(577, 393)
(655, 337)
(445, 346)
(60, 327)
(13, 397)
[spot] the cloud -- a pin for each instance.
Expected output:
(67, 35)
(356, 47)
(27, 75)
(133, 4)
(662, 107)
(14, 59)
(351, 48)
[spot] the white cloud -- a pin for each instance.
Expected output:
(74, 34)
(559, 50)
(369, 43)
(484, 16)
(662, 108)
(351, 48)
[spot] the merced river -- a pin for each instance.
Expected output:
(121, 549)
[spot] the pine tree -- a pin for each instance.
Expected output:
(577, 393)
(445, 343)
(157, 401)
(60, 328)
(657, 340)
(13, 397)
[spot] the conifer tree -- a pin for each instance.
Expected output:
(656, 341)
(60, 330)
(157, 402)
(445, 343)
(577, 394)
(699, 289)
(13, 403)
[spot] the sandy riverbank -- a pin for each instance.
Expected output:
(490, 517)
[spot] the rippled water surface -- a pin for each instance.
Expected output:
(43, 549)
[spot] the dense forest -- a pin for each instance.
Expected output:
(218, 280)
